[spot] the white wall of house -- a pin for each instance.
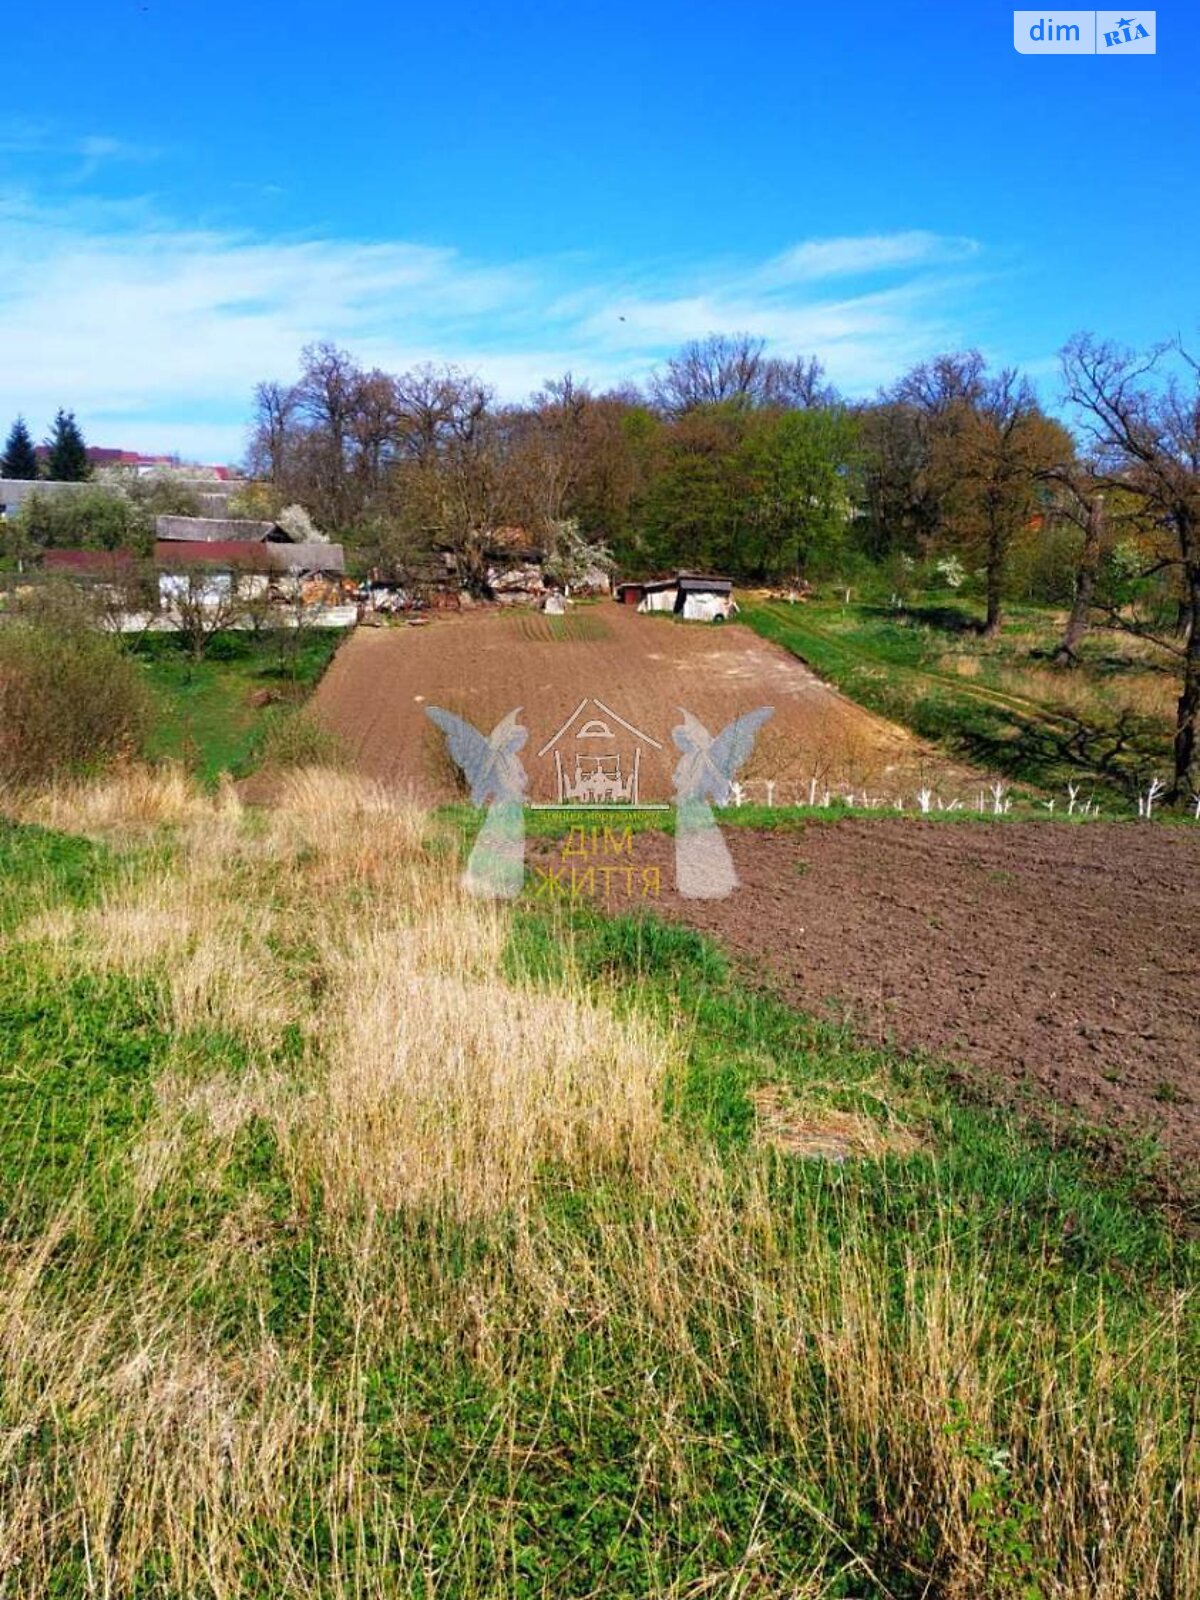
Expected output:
(214, 590)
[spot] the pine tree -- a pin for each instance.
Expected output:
(67, 461)
(20, 458)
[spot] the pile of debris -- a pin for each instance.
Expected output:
(516, 585)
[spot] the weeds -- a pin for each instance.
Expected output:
(1001, 704)
(360, 1239)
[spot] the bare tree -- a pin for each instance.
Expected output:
(373, 429)
(1142, 413)
(549, 443)
(271, 433)
(947, 383)
(454, 482)
(733, 369)
(328, 397)
(435, 407)
(796, 385)
(202, 603)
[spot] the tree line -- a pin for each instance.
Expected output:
(733, 460)
(730, 460)
(65, 459)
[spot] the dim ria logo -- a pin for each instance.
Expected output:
(593, 779)
(1084, 33)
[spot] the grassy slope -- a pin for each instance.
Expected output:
(543, 1411)
(207, 718)
(77, 1053)
(999, 704)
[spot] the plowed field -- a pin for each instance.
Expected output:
(1062, 962)
(483, 665)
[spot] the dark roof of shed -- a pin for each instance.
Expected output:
(698, 583)
(217, 530)
(646, 584)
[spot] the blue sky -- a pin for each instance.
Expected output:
(190, 192)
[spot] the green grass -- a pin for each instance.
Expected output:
(1052, 728)
(76, 1053)
(206, 716)
(40, 869)
(569, 1438)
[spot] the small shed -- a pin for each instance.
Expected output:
(695, 596)
(648, 594)
(700, 598)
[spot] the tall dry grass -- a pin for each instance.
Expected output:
(470, 1178)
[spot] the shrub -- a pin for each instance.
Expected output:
(1043, 565)
(949, 572)
(295, 520)
(71, 701)
(297, 739)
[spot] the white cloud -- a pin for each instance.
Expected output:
(155, 334)
(870, 254)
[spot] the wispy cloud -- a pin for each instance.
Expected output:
(864, 256)
(156, 334)
(75, 158)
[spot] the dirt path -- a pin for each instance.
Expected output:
(1065, 960)
(643, 668)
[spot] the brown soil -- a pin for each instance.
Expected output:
(1062, 961)
(482, 665)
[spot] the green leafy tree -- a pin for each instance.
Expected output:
(93, 518)
(796, 475)
(696, 512)
(20, 458)
(753, 493)
(67, 461)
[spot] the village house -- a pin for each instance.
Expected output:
(15, 491)
(254, 545)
